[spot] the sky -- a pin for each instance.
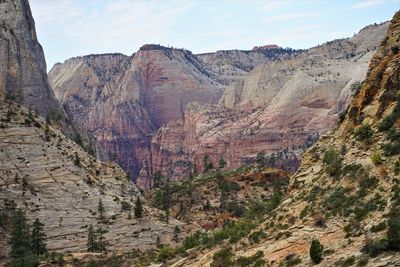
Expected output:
(68, 28)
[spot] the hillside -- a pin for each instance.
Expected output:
(53, 179)
(346, 192)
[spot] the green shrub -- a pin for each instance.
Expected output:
(390, 149)
(223, 258)
(364, 133)
(397, 167)
(333, 160)
(389, 120)
(394, 134)
(378, 227)
(373, 248)
(254, 260)
(376, 158)
(256, 236)
(355, 88)
(363, 261)
(166, 253)
(395, 49)
(346, 262)
(316, 250)
(393, 232)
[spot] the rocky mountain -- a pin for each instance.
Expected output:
(122, 100)
(345, 196)
(23, 75)
(143, 113)
(280, 108)
(23, 68)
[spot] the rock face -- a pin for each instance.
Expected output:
(232, 65)
(122, 100)
(59, 183)
(23, 68)
(23, 75)
(280, 107)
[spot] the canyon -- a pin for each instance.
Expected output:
(310, 142)
(164, 106)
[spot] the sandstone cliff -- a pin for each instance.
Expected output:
(346, 192)
(280, 107)
(23, 69)
(23, 75)
(122, 100)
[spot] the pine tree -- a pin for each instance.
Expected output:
(101, 242)
(92, 245)
(138, 208)
(100, 209)
(38, 245)
(20, 236)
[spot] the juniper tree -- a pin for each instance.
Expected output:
(38, 237)
(138, 208)
(316, 250)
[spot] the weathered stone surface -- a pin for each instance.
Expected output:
(282, 105)
(23, 68)
(122, 100)
(43, 178)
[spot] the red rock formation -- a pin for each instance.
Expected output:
(121, 100)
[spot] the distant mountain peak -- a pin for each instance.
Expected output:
(263, 47)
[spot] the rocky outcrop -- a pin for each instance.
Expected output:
(23, 73)
(53, 179)
(280, 107)
(122, 100)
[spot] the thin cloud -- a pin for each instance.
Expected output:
(366, 4)
(292, 16)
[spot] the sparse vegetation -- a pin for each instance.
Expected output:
(376, 158)
(364, 133)
(355, 88)
(389, 120)
(333, 161)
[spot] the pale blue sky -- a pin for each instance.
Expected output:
(68, 28)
